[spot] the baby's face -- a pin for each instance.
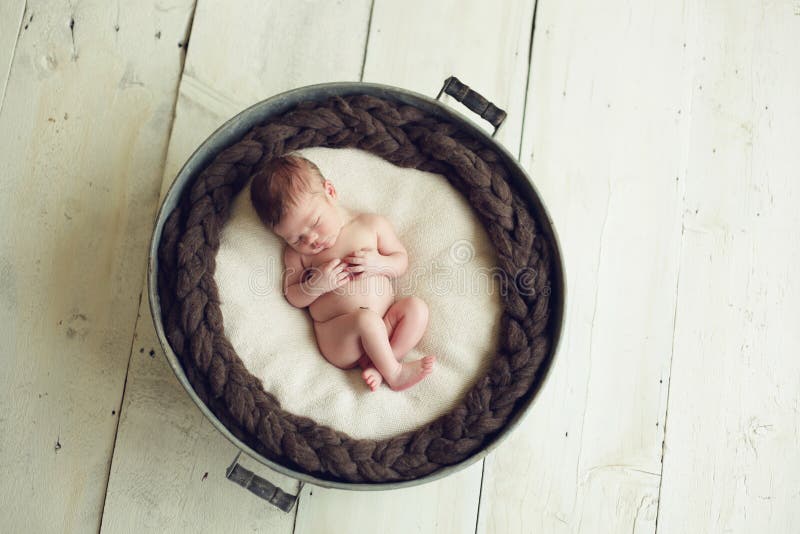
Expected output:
(312, 225)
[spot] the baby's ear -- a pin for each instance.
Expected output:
(330, 188)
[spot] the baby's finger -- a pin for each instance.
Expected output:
(356, 268)
(353, 259)
(329, 266)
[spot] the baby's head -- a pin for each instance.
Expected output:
(292, 197)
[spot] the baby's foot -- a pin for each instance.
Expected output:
(372, 377)
(410, 373)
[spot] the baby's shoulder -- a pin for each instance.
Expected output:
(292, 258)
(372, 220)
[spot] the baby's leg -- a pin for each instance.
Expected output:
(338, 340)
(406, 321)
(372, 331)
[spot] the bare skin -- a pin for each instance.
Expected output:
(340, 264)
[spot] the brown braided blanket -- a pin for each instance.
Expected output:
(405, 136)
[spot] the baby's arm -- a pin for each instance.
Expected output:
(390, 259)
(389, 246)
(293, 279)
(300, 290)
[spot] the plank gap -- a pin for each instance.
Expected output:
(185, 45)
(187, 37)
(143, 288)
(682, 211)
(297, 508)
(480, 493)
(119, 411)
(669, 374)
(13, 54)
(527, 80)
(366, 41)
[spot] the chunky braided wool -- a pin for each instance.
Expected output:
(407, 137)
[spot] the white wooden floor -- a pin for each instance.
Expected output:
(663, 138)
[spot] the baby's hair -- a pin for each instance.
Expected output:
(279, 184)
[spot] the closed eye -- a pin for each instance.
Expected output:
(315, 225)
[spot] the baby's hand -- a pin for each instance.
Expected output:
(327, 277)
(368, 261)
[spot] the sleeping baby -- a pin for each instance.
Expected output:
(340, 264)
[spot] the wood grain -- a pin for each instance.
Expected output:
(168, 473)
(662, 138)
(445, 505)
(11, 23)
(486, 48)
(83, 134)
(605, 140)
(731, 461)
(159, 483)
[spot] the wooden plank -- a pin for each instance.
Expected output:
(731, 460)
(306, 48)
(417, 45)
(488, 49)
(160, 483)
(11, 22)
(168, 473)
(445, 505)
(83, 133)
(605, 139)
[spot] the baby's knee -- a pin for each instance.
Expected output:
(418, 309)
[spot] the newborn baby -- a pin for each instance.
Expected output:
(340, 264)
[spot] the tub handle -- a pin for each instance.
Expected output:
(474, 101)
(261, 487)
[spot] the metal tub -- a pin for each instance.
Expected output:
(231, 132)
